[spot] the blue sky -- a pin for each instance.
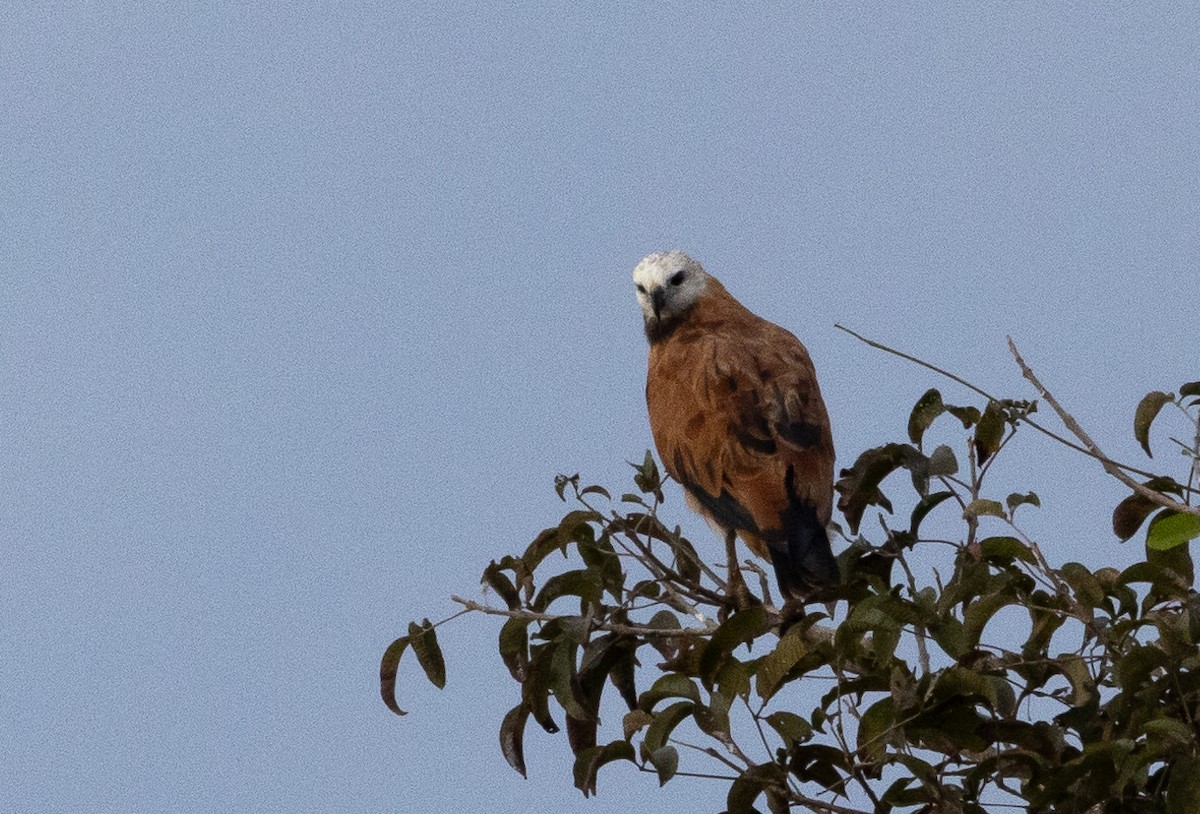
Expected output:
(303, 307)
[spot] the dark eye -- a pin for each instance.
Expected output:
(678, 277)
(641, 288)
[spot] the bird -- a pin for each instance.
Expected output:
(738, 420)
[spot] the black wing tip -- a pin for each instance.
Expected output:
(803, 558)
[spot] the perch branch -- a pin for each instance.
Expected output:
(1093, 449)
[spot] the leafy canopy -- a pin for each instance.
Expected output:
(955, 672)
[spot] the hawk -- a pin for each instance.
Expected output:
(738, 420)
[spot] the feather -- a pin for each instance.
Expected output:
(738, 419)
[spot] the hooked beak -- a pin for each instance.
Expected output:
(657, 297)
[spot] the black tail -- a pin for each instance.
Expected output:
(802, 556)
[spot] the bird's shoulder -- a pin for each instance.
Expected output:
(735, 349)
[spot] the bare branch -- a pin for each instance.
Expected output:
(820, 805)
(1026, 420)
(1093, 449)
(613, 627)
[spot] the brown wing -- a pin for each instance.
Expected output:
(738, 419)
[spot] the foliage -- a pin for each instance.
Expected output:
(955, 672)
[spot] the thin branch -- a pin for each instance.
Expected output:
(732, 747)
(452, 617)
(1194, 472)
(920, 633)
(915, 360)
(1026, 420)
(1093, 449)
(692, 590)
(815, 804)
(654, 516)
(762, 736)
(613, 627)
(708, 750)
(724, 777)
(839, 734)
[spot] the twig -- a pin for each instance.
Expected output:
(726, 778)
(1093, 449)
(612, 627)
(815, 804)
(708, 750)
(1027, 420)
(692, 590)
(920, 633)
(1194, 472)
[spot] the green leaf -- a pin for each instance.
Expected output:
(779, 662)
(623, 674)
(950, 636)
(581, 583)
(741, 797)
(1173, 731)
(514, 647)
(874, 730)
(858, 486)
(989, 433)
(790, 726)
(664, 724)
(387, 673)
(924, 506)
(535, 691)
(495, 579)
(512, 737)
(547, 540)
(983, 506)
(686, 560)
(1170, 528)
(1130, 514)
(1183, 787)
(752, 782)
(562, 683)
(1083, 582)
(1147, 410)
(741, 628)
(942, 462)
(574, 527)
(589, 762)
(671, 685)
(665, 760)
(1189, 389)
(635, 721)
(423, 639)
(664, 620)
(969, 416)
(956, 683)
(820, 763)
(1133, 670)
(980, 612)
(561, 482)
(1006, 549)
(1017, 499)
(647, 477)
(924, 412)
(1083, 686)
(595, 490)
(714, 719)
(1173, 571)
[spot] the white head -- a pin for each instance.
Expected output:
(668, 284)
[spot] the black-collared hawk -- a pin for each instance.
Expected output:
(738, 420)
